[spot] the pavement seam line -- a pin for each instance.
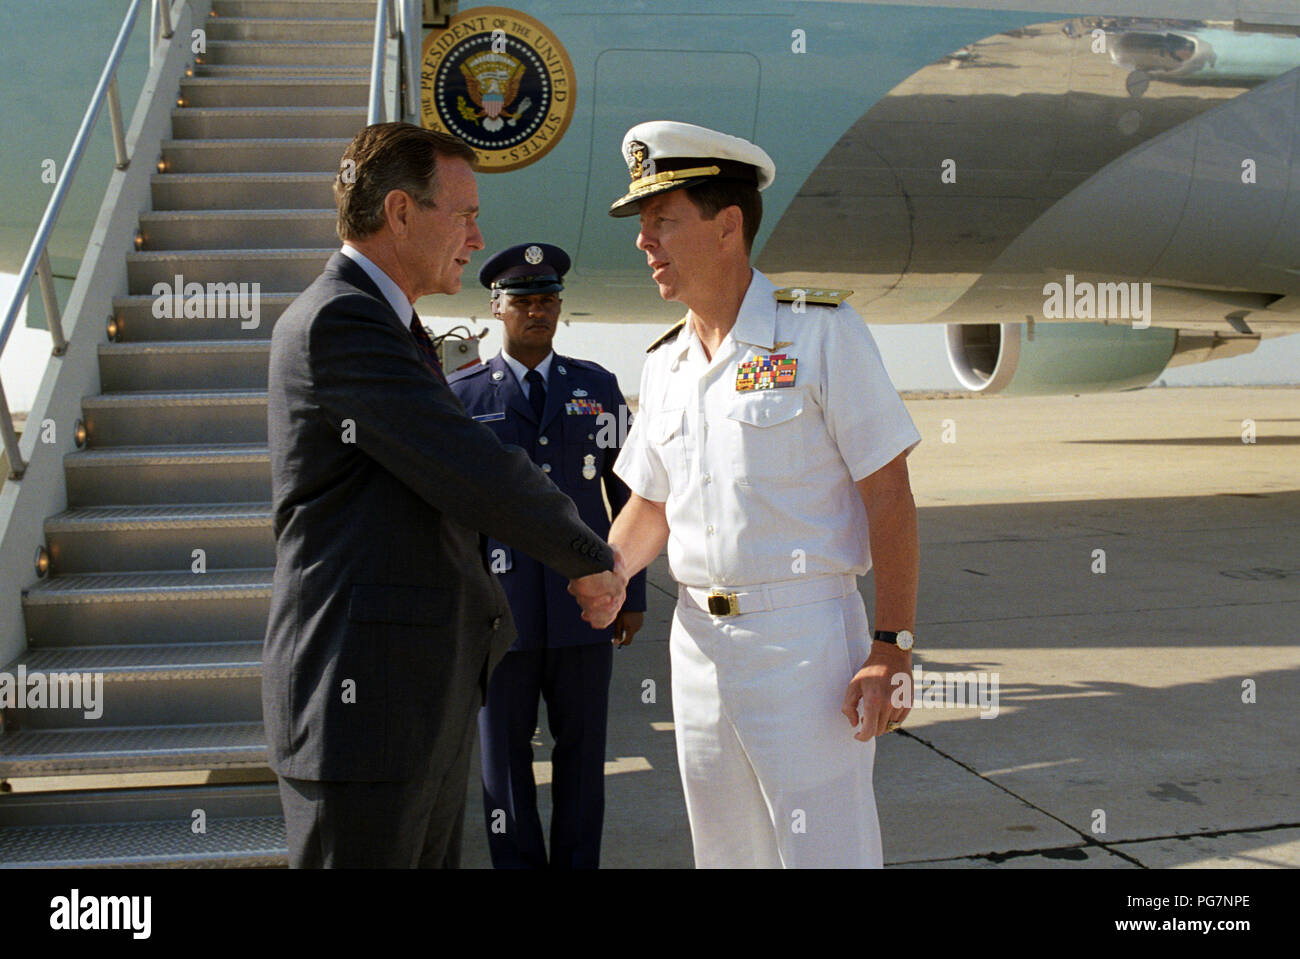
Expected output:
(1003, 856)
(1213, 834)
(995, 857)
(1088, 839)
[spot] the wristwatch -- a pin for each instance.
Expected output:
(902, 639)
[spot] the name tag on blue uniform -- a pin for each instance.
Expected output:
(489, 417)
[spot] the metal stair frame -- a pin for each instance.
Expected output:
(42, 492)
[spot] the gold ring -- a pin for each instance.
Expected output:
(891, 726)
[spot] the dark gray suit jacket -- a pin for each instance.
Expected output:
(384, 620)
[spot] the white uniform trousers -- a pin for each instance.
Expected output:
(772, 774)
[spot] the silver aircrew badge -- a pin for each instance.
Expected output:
(579, 392)
(533, 254)
(589, 466)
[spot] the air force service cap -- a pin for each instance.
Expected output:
(665, 155)
(525, 269)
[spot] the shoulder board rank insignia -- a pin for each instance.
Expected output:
(672, 332)
(811, 296)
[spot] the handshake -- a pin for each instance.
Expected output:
(601, 595)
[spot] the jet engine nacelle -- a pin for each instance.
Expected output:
(1063, 358)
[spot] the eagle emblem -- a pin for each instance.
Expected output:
(493, 80)
(639, 163)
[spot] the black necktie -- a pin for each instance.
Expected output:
(536, 393)
(426, 347)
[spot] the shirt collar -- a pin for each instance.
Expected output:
(392, 292)
(756, 321)
(521, 371)
(681, 343)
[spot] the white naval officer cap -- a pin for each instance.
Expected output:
(665, 155)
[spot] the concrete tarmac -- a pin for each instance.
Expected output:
(1128, 567)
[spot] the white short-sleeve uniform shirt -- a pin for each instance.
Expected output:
(758, 484)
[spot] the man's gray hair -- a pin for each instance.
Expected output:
(385, 157)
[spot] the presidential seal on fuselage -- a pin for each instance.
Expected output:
(499, 80)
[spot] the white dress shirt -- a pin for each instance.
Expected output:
(758, 484)
(520, 371)
(392, 292)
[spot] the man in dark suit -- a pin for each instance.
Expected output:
(385, 623)
(565, 413)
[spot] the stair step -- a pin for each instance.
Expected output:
(48, 752)
(294, 8)
(109, 539)
(361, 71)
(308, 91)
(144, 827)
(242, 191)
(175, 418)
(205, 123)
(281, 155)
(239, 229)
(137, 322)
(275, 271)
(142, 685)
(205, 365)
(294, 30)
(249, 53)
(128, 476)
(155, 663)
(98, 609)
(147, 797)
(226, 843)
(146, 587)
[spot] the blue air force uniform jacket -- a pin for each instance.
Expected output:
(576, 446)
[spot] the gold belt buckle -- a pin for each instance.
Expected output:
(724, 604)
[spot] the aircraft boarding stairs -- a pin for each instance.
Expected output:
(175, 461)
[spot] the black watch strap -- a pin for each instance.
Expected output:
(885, 636)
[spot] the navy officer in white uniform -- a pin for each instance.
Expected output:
(566, 414)
(769, 455)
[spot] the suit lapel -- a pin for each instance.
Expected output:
(557, 391)
(350, 271)
(508, 388)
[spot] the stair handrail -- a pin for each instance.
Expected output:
(37, 263)
(386, 28)
(399, 20)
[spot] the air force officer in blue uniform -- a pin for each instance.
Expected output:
(567, 414)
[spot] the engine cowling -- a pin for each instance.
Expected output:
(1064, 358)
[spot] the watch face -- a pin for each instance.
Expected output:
(905, 639)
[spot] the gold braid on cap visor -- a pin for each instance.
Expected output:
(668, 176)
